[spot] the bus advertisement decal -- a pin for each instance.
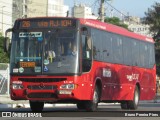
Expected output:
(107, 72)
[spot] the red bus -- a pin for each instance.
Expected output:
(81, 61)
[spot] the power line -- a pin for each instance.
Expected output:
(120, 12)
(116, 9)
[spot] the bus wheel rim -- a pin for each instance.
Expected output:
(136, 97)
(95, 97)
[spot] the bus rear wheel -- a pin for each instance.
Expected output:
(36, 106)
(133, 104)
(93, 104)
(124, 105)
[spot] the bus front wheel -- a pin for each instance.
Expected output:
(36, 106)
(93, 104)
(81, 105)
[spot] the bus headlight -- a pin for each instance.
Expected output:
(68, 86)
(17, 85)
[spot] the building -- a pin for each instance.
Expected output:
(57, 8)
(136, 25)
(5, 15)
(82, 11)
(39, 8)
(19, 9)
(140, 29)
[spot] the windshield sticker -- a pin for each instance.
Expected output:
(15, 70)
(46, 62)
(30, 34)
(21, 70)
(40, 39)
(107, 72)
(45, 69)
(28, 58)
(37, 69)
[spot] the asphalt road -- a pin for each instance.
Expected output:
(145, 109)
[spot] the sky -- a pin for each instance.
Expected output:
(133, 7)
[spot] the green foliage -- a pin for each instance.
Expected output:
(4, 57)
(152, 18)
(115, 21)
(3, 66)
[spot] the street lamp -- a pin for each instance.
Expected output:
(2, 18)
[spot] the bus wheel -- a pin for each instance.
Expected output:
(81, 105)
(36, 106)
(134, 103)
(93, 104)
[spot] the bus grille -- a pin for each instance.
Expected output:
(42, 95)
(39, 87)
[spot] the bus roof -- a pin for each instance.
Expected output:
(114, 29)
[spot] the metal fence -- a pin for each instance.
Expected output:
(4, 79)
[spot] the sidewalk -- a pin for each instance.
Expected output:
(5, 99)
(6, 102)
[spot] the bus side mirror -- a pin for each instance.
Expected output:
(6, 44)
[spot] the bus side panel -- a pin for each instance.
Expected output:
(119, 81)
(115, 84)
(85, 87)
(148, 84)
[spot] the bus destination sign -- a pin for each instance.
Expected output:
(47, 23)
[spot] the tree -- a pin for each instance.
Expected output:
(4, 57)
(116, 21)
(152, 18)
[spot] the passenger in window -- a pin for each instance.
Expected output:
(49, 53)
(72, 49)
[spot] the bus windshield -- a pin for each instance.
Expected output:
(44, 51)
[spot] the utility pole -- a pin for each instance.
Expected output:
(47, 8)
(24, 9)
(102, 11)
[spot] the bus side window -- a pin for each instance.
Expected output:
(86, 53)
(86, 46)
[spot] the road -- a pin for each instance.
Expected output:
(104, 110)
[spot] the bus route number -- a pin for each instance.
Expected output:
(26, 24)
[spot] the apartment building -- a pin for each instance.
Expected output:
(82, 11)
(5, 15)
(136, 25)
(39, 8)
